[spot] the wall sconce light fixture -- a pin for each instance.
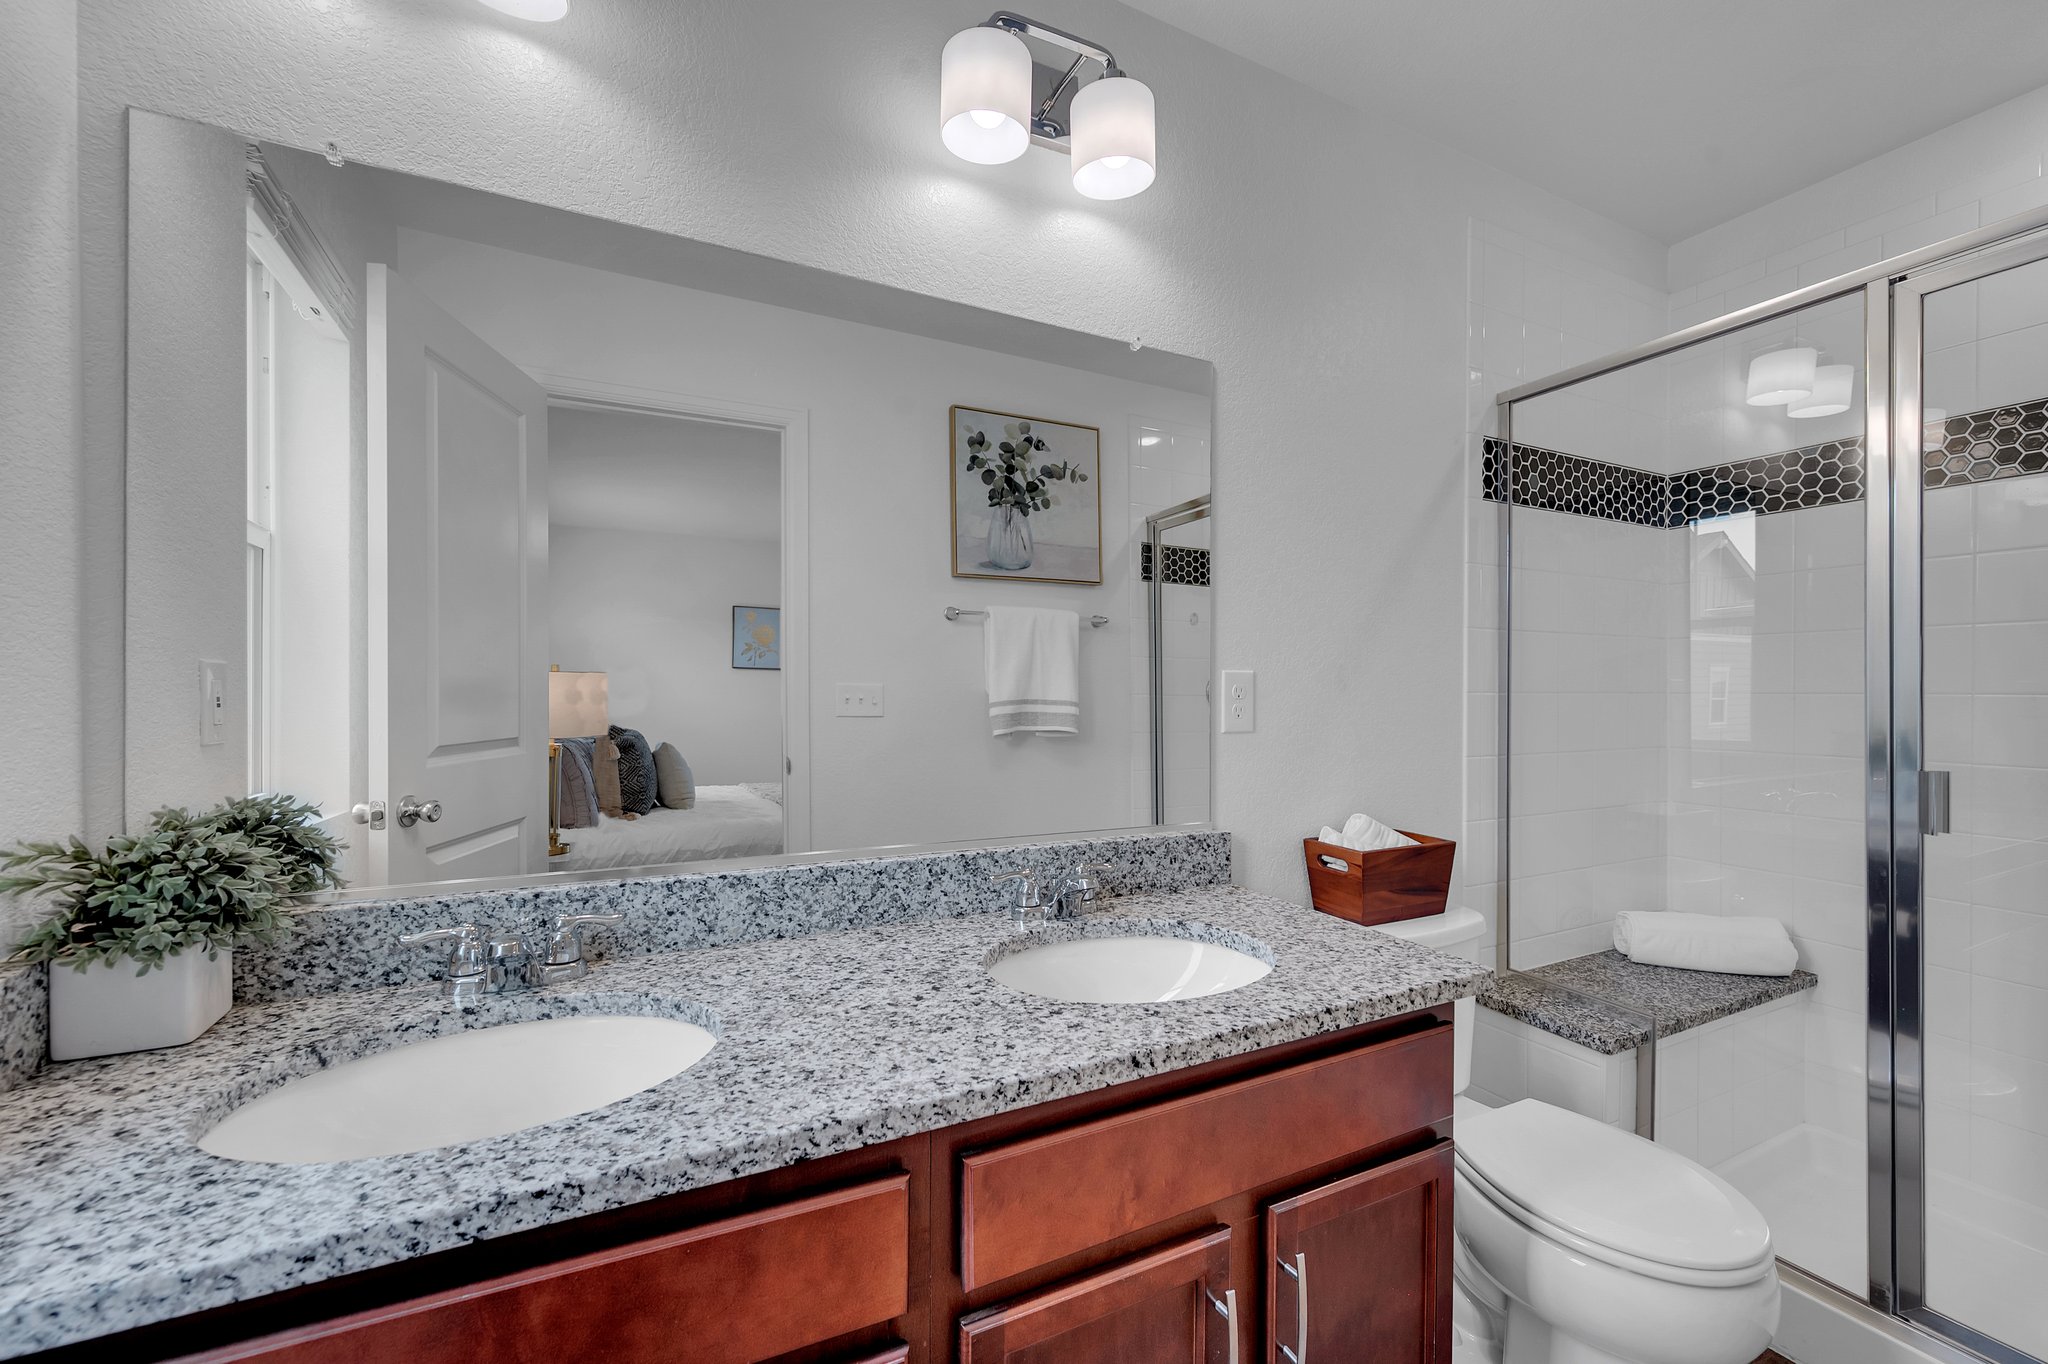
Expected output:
(986, 114)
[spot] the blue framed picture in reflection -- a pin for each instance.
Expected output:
(757, 637)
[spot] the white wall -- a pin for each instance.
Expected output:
(654, 612)
(310, 746)
(41, 542)
(1325, 280)
(1967, 175)
(187, 440)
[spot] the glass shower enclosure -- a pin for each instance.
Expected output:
(1779, 646)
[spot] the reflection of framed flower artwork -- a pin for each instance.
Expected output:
(757, 637)
(1027, 498)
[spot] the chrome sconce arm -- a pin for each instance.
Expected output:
(1046, 130)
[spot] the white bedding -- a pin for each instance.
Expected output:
(726, 821)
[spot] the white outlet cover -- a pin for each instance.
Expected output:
(1240, 710)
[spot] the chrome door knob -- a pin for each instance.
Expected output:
(370, 812)
(411, 811)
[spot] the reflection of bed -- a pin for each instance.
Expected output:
(726, 821)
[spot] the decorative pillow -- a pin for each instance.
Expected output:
(604, 767)
(636, 770)
(678, 786)
(577, 796)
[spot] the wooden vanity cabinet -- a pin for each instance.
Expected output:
(1120, 1225)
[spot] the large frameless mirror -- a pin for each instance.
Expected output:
(524, 543)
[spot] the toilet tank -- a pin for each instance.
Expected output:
(1457, 932)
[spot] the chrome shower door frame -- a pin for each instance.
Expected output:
(1897, 901)
(1179, 514)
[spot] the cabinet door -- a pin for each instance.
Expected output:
(1175, 1305)
(1361, 1268)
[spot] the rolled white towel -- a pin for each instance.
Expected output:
(1706, 942)
(1363, 833)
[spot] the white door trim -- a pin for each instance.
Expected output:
(794, 424)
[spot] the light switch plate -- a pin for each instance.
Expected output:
(860, 698)
(213, 701)
(1240, 701)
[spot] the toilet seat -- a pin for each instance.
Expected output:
(1612, 1196)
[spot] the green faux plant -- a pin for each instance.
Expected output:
(1005, 469)
(188, 883)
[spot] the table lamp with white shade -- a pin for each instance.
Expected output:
(578, 704)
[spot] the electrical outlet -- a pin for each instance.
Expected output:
(213, 702)
(1240, 701)
(860, 698)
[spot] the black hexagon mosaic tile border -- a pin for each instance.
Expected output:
(1974, 447)
(1999, 442)
(1185, 564)
(1551, 480)
(1812, 476)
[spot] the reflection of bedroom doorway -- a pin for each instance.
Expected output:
(624, 581)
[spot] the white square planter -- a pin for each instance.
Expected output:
(106, 1009)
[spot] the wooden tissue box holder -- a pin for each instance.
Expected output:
(1383, 886)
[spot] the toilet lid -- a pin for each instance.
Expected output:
(1613, 1188)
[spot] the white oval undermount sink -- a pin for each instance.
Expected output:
(467, 1086)
(1140, 969)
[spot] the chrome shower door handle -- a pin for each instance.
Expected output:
(1934, 802)
(1298, 1271)
(411, 810)
(1227, 1309)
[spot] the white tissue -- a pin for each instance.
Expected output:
(1363, 833)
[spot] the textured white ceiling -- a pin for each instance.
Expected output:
(1668, 115)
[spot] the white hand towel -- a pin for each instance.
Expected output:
(1363, 833)
(1706, 942)
(1034, 670)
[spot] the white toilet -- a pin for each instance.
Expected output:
(1579, 1243)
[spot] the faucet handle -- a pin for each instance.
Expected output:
(1027, 889)
(465, 957)
(565, 948)
(1085, 879)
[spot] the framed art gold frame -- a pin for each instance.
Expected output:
(994, 550)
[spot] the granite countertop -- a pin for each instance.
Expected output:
(1550, 998)
(111, 1216)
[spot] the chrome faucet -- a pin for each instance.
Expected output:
(477, 967)
(1071, 889)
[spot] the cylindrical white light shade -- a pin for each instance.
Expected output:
(542, 11)
(1782, 376)
(1834, 388)
(985, 96)
(579, 704)
(1115, 141)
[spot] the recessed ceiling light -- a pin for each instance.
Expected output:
(541, 11)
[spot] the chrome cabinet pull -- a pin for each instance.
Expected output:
(1298, 1271)
(1227, 1309)
(412, 810)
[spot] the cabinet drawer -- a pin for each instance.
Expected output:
(1038, 1200)
(737, 1290)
